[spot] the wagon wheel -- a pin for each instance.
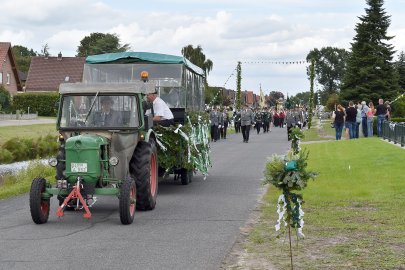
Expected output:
(38, 206)
(127, 201)
(186, 176)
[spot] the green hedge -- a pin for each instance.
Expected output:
(42, 103)
(21, 149)
(398, 119)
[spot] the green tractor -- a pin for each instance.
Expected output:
(107, 147)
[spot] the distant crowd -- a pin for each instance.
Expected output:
(360, 114)
(257, 119)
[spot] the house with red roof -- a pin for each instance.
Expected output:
(46, 73)
(9, 78)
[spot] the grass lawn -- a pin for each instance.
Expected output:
(12, 185)
(28, 131)
(354, 211)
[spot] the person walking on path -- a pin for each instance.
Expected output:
(266, 120)
(246, 120)
(339, 121)
(351, 113)
(258, 120)
(291, 121)
(381, 112)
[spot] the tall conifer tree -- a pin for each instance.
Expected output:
(370, 71)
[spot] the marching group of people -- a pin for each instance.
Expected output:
(246, 119)
(358, 115)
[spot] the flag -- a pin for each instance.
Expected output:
(262, 100)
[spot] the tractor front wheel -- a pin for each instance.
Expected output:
(38, 206)
(144, 169)
(127, 201)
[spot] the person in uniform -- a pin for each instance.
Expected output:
(225, 123)
(290, 121)
(214, 120)
(246, 120)
(236, 121)
(266, 119)
(258, 120)
(162, 114)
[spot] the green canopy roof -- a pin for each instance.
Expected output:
(133, 57)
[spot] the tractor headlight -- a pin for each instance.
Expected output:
(53, 162)
(113, 161)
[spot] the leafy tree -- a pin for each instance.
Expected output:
(213, 95)
(97, 43)
(22, 57)
(370, 72)
(198, 58)
(332, 101)
(45, 50)
(273, 97)
(330, 64)
(400, 66)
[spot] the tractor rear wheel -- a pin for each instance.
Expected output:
(144, 169)
(39, 207)
(127, 201)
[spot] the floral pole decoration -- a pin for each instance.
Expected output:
(289, 174)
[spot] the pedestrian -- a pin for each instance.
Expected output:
(282, 117)
(339, 121)
(220, 124)
(246, 120)
(358, 121)
(364, 110)
(381, 112)
(388, 115)
(351, 113)
(370, 118)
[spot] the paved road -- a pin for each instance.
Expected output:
(192, 227)
(40, 120)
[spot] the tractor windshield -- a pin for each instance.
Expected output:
(98, 111)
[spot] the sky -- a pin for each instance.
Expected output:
(255, 32)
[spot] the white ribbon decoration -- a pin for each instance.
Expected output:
(281, 211)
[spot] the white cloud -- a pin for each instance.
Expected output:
(227, 30)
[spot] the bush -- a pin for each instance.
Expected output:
(5, 99)
(18, 149)
(43, 103)
(5, 156)
(398, 108)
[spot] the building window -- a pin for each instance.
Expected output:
(8, 78)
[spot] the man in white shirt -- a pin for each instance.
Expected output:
(162, 114)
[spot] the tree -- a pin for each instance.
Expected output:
(330, 65)
(97, 43)
(370, 72)
(197, 57)
(400, 66)
(273, 97)
(22, 57)
(45, 50)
